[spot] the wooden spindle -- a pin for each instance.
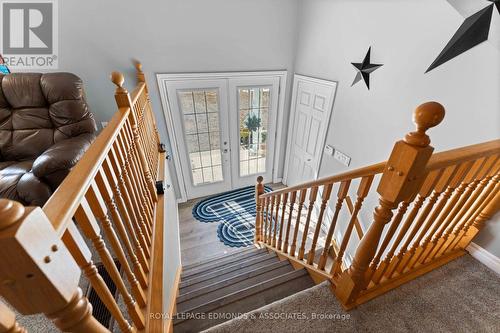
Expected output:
(293, 196)
(123, 100)
(271, 223)
(38, 267)
(283, 211)
(276, 220)
(100, 210)
(302, 198)
(131, 227)
(8, 323)
(401, 179)
(91, 230)
(341, 194)
(363, 189)
(259, 190)
(325, 196)
(267, 222)
(312, 199)
(81, 253)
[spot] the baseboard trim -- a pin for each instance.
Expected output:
(485, 257)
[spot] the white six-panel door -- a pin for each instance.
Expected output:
(312, 102)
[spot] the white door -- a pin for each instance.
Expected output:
(312, 102)
(253, 105)
(223, 127)
(200, 119)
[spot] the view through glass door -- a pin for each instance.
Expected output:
(225, 131)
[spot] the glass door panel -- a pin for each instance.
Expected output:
(253, 109)
(201, 125)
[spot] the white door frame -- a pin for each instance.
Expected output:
(296, 79)
(164, 78)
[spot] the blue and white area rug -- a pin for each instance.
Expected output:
(235, 211)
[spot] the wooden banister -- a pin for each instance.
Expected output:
(110, 194)
(8, 323)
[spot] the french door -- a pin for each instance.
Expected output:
(225, 131)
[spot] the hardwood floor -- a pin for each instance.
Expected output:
(199, 240)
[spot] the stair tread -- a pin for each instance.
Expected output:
(186, 268)
(224, 289)
(184, 289)
(248, 291)
(222, 261)
(220, 270)
(284, 286)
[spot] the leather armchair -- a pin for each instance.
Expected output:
(45, 127)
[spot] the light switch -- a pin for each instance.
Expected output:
(329, 150)
(341, 157)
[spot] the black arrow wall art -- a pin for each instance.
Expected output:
(364, 69)
(474, 30)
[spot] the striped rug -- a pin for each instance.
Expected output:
(235, 211)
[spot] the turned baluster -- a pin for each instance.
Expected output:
(312, 199)
(266, 219)
(259, 190)
(325, 196)
(271, 219)
(81, 253)
(8, 323)
(116, 197)
(487, 186)
(444, 218)
(40, 268)
(474, 201)
(276, 220)
(101, 213)
(302, 198)
(402, 177)
(341, 194)
(363, 189)
(283, 211)
(293, 196)
(123, 100)
(88, 224)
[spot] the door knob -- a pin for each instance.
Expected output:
(225, 150)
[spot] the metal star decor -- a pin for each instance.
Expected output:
(364, 70)
(476, 29)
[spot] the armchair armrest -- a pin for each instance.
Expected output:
(63, 155)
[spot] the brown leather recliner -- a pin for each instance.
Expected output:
(45, 127)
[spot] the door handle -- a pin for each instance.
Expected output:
(225, 151)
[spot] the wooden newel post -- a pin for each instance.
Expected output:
(38, 274)
(122, 98)
(8, 323)
(401, 179)
(259, 190)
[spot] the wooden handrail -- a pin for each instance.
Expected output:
(109, 197)
(63, 203)
(353, 174)
(430, 208)
(463, 154)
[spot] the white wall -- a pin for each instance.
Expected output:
(97, 37)
(405, 36)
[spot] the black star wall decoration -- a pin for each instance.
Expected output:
(475, 29)
(364, 69)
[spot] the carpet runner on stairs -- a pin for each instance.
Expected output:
(225, 287)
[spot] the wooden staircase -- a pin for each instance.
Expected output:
(219, 289)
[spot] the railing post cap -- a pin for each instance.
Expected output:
(260, 179)
(118, 79)
(138, 65)
(425, 116)
(11, 212)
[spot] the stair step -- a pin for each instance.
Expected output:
(227, 259)
(212, 280)
(228, 286)
(220, 270)
(246, 300)
(217, 257)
